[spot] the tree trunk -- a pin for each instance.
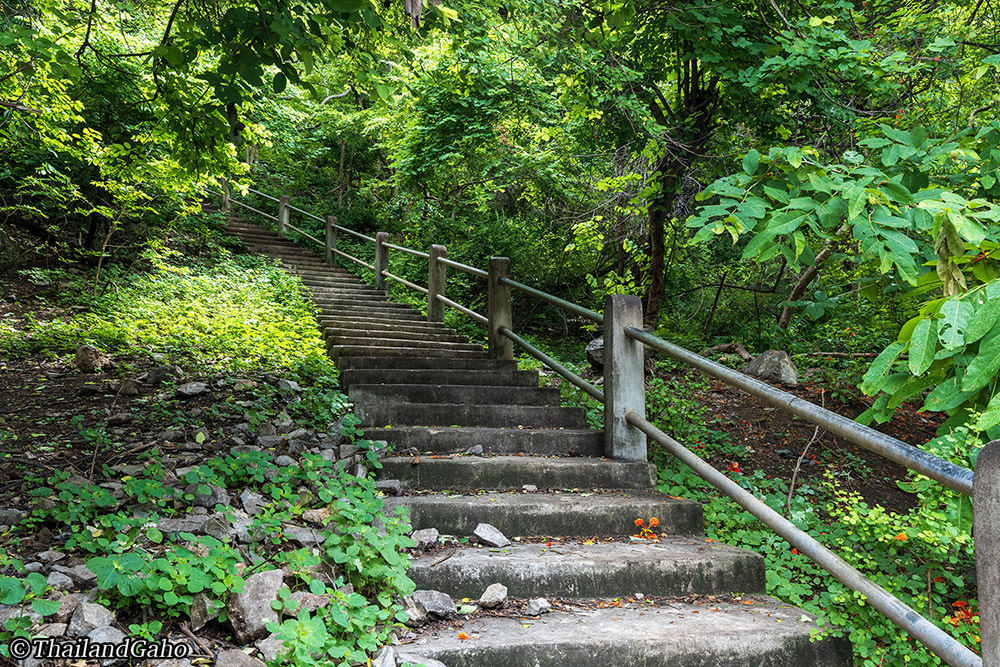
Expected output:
(659, 213)
(808, 276)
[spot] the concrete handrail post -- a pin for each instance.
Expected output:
(381, 258)
(624, 379)
(436, 283)
(227, 205)
(986, 526)
(283, 214)
(499, 311)
(331, 239)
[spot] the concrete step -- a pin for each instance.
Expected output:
(552, 514)
(468, 414)
(415, 363)
(336, 351)
(402, 317)
(434, 341)
(385, 309)
(513, 472)
(452, 375)
(755, 631)
(361, 303)
(348, 336)
(369, 394)
(358, 322)
(670, 566)
(494, 441)
(364, 290)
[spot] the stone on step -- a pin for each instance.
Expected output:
(720, 634)
(435, 603)
(537, 607)
(390, 487)
(425, 538)
(511, 472)
(672, 566)
(489, 536)
(494, 596)
(552, 514)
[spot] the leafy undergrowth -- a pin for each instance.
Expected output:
(923, 554)
(108, 477)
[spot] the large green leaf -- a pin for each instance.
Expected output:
(876, 375)
(991, 415)
(982, 321)
(985, 364)
(751, 161)
(946, 396)
(922, 345)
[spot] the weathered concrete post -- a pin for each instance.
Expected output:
(331, 239)
(381, 258)
(498, 309)
(624, 387)
(282, 214)
(227, 205)
(986, 524)
(435, 283)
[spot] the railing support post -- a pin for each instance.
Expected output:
(498, 309)
(283, 214)
(227, 205)
(331, 239)
(624, 386)
(381, 258)
(435, 283)
(986, 525)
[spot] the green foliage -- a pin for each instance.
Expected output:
(27, 594)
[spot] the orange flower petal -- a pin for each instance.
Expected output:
(639, 522)
(462, 635)
(654, 522)
(901, 537)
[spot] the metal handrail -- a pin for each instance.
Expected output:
(411, 251)
(462, 309)
(305, 213)
(361, 236)
(353, 258)
(590, 389)
(562, 303)
(255, 210)
(951, 475)
(937, 640)
(264, 195)
(463, 267)
(406, 282)
(303, 233)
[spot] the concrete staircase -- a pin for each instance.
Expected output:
(680, 600)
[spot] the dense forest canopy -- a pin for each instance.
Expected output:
(761, 171)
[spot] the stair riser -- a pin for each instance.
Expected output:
(389, 363)
(401, 393)
(335, 313)
(526, 520)
(343, 323)
(378, 337)
(560, 577)
(431, 342)
(427, 376)
(537, 442)
(444, 414)
(480, 473)
(336, 351)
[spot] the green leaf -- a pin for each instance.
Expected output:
(45, 607)
(990, 416)
(345, 5)
(922, 346)
(985, 364)
(153, 534)
(971, 230)
(11, 590)
(875, 377)
(280, 82)
(982, 321)
(751, 161)
(946, 396)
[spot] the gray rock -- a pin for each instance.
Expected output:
(59, 581)
(266, 430)
(183, 524)
(250, 609)
(68, 602)
(80, 574)
(385, 658)
(417, 659)
(90, 360)
(173, 662)
(87, 618)
(10, 516)
(191, 389)
(33, 566)
(52, 630)
(270, 646)
(774, 366)
(236, 658)
(269, 441)
(436, 603)
(301, 534)
(537, 606)
(494, 596)
(253, 502)
(360, 471)
(331, 440)
(529, 488)
(107, 634)
(475, 450)
(490, 536)
(347, 451)
(171, 435)
(320, 515)
(131, 469)
(289, 385)
(161, 374)
(595, 352)
(328, 455)
(416, 615)
(8, 612)
(202, 611)
(217, 496)
(128, 387)
(284, 461)
(120, 418)
(425, 538)
(308, 601)
(390, 487)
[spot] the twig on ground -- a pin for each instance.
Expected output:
(802, 456)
